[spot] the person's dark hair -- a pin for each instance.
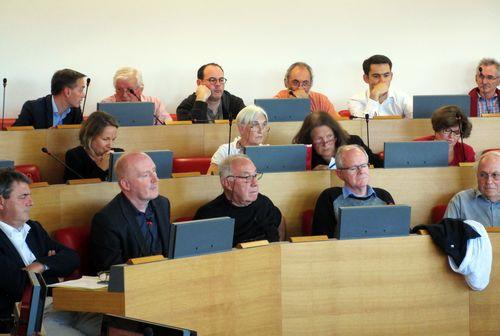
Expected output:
(7, 179)
(449, 116)
(375, 59)
(316, 119)
(300, 65)
(94, 126)
(201, 70)
(64, 78)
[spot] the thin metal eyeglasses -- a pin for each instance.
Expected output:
(256, 126)
(304, 84)
(485, 176)
(324, 140)
(213, 80)
(248, 178)
(488, 77)
(354, 169)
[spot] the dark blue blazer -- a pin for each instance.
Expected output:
(115, 235)
(39, 114)
(13, 279)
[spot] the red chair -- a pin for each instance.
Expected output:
(173, 116)
(32, 171)
(307, 219)
(491, 150)
(437, 213)
(308, 156)
(345, 113)
(183, 219)
(191, 164)
(76, 238)
(7, 122)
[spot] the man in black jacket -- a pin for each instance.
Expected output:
(210, 101)
(25, 245)
(62, 106)
(136, 223)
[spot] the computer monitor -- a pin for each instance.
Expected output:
(203, 236)
(293, 109)
(130, 114)
(6, 164)
(282, 158)
(163, 160)
(424, 105)
(124, 326)
(29, 321)
(415, 154)
(373, 221)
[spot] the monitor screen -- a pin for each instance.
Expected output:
(292, 109)
(121, 326)
(130, 114)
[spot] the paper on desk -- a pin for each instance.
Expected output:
(87, 282)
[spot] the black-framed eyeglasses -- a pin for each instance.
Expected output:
(304, 84)
(103, 276)
(248, 178)
(354, 169)
(449, 131)
(213, 80)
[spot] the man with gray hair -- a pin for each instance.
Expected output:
(485, 98)
(136, 223)
(298, 81)
(353, 169)
(481, 204)
(129, 87)
(255, 215)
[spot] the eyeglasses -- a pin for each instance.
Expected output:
(103, 276)
(488, 77)
(249, 178)
(449, 131)
(304, 84)
(213, 80)
(324, 140)
(354, 169)
(256, 126)
(485, 176)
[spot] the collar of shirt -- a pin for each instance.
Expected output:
(58, 118)
(478, 194)
(332, 164)
(346, 192)
(482, 98)
(11, 232)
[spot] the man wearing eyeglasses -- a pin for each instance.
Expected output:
(485, 98)
(210, 101)
(379, 99)
(353, 169)
(136, 223)
(298, 82)
(255, 215)
(481, 204)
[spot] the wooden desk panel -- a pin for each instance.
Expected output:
(387, 286)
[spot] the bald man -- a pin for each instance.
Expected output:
(481, 204)
(136, 223)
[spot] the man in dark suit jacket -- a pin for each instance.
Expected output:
(25, 245)
(210, 101)
(136, 223)
(60, 107)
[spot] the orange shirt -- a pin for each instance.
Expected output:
(319, 102)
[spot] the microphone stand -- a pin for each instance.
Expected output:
(367, 119)
(157, 120)
(46, 151)
(229, 140)
(86, 92)
(459, 118)
(3, 103)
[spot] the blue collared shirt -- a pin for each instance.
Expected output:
(57, 119)
(471, 204)
(346, 192)
(485, 106)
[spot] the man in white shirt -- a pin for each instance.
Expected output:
(379, 99)
(25, 245)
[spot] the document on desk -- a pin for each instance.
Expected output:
(85, 282)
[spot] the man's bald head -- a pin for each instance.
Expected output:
(126, 163)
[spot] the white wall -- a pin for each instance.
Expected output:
(434, 45)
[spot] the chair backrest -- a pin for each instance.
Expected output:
(76, 238)
(308, 156)
(191, 164)
(307, 219)
(345, 113)
(437, 213)
(30, 170)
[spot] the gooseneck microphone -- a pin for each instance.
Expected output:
(230, 119)
(367, 119)
(459, 118)
(46, 151)
(157, 120)
(86, 92)
(3, 102)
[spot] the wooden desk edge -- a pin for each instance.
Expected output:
(84, 300)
